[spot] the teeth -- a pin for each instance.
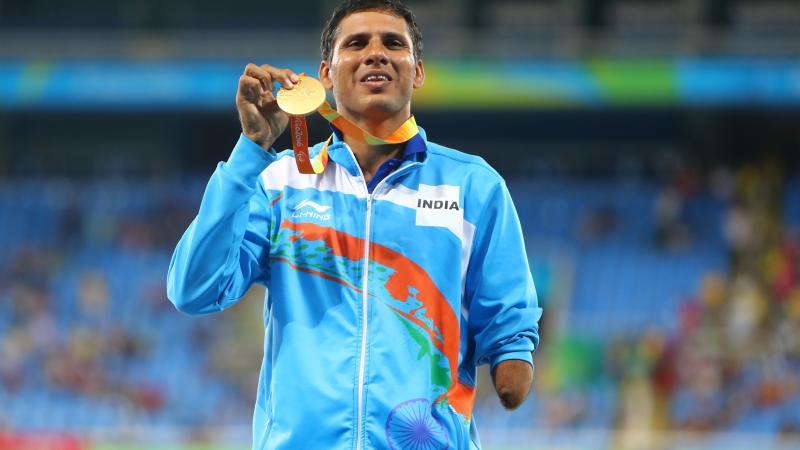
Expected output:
(377, 78)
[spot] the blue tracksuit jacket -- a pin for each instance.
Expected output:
(380, 304)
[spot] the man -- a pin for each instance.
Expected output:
(391, 275)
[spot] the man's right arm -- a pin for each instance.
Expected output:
(226, 247)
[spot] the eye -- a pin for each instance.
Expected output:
(394, 43)
(356, 43)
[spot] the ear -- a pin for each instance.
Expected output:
(325, 75)
(419, 75)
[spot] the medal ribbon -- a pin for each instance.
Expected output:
(316, 165)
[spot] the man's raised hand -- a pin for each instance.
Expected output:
(262, 120)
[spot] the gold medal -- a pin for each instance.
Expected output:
(304, 98)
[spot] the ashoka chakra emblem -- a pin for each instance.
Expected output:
(411, 426)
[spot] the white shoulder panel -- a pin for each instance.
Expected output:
(283, 172)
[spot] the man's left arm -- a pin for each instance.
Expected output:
(503, 308)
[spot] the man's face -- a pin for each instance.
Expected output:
(372, 70)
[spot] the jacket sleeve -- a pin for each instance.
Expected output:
(503, 309)
(226, 247)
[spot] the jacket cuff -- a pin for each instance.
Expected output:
(248, 159)
(522, 356)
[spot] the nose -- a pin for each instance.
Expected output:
(376, 55)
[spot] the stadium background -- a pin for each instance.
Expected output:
(651, 148)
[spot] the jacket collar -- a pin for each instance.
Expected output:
(415, 150)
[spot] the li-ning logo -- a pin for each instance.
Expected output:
(311, 210)
(319, 208)
(437, 204)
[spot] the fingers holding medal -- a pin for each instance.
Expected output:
(262, 120)
(264, 115)
(260, 80)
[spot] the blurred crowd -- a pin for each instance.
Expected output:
(84, 318)
(733, 360)
(78, 356)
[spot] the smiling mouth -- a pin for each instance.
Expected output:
(376, 84)
(376, 78)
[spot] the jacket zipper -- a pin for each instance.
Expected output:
(365, 295)
(364, 329)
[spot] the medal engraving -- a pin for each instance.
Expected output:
(307, 95)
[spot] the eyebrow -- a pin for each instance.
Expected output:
(384, 35)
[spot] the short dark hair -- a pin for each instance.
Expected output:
(394, 7)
